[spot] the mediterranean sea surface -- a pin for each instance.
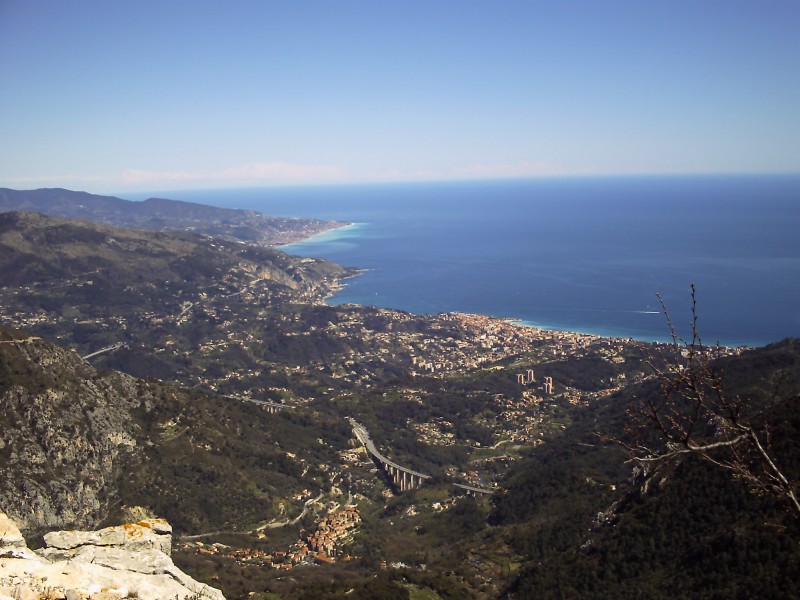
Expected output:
(578, 254)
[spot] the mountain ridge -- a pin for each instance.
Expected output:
(157, 214)
(245, 440)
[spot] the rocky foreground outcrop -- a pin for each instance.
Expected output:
(128, 561)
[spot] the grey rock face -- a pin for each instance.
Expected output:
(66, 435)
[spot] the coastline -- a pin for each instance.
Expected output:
(558, 330)
(543, 326)
(439, 250)
(554, 329)
(321, 237)
(564, 255)
(609, 335)
(339, 284)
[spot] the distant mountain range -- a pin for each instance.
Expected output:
(157, 214)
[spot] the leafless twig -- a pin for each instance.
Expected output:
(693, 415)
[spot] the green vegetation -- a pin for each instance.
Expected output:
(221, 324)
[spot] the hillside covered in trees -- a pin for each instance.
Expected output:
(207, 382)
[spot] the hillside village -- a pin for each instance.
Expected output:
(465, 401)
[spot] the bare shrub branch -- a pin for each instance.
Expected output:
(693, 415)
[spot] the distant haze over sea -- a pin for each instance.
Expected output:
(584, 254)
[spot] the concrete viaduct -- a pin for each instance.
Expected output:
(106, 349)
(404, 478)
(271, 407)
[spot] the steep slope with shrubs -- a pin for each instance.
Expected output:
(80, 446)
(589, 529)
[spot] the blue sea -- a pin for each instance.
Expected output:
(577, 254)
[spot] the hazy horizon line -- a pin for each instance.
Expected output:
(215, 185)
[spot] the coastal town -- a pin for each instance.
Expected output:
(452, 401)
(242, 341)
(399, 300)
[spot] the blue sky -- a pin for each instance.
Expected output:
(112, 96)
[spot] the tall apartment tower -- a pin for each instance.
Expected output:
(531, 378)
(548, 385)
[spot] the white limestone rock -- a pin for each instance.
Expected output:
(10, 536)
(12, 544)
(127, 561)
(150, 533)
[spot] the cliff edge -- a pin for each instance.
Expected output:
(127, 561)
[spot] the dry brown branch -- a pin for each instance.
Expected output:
(693, 415)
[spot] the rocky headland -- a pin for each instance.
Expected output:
(207, 382)
(159, 214)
